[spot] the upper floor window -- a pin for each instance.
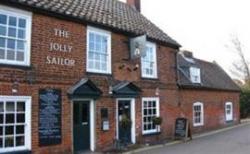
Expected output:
(98, 51)
(150, 109)
(15, 33)
(15, 123)
(195, 75)
(148, 62)
(229, 111)
(198, 114)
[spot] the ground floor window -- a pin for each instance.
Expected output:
(198, 114)
(229, 111)
(15, 124)
(150, 109)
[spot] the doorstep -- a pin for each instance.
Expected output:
(195, 136)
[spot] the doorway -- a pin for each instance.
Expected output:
(125, 120)
(81, 125)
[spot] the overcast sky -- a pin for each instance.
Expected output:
(203, 26)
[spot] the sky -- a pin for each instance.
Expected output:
(204, 27)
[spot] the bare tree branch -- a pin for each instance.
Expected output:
(240, 68)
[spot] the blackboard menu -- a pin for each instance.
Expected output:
(181, 128)
(49, 117)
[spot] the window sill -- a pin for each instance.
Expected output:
(151, 134)
(99, 74)
(198, 125)
(150, 78)
(23, 67)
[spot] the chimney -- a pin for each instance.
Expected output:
(187, 54)
(135, 4)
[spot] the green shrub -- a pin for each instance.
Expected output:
(245, 103)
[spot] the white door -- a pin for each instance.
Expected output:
(229, 111)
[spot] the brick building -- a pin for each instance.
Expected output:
(209, 98)
(72, 72)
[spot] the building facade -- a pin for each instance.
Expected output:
(71, 81)
(208, 96)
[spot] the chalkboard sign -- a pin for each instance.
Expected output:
(182, 129)
(49, 117)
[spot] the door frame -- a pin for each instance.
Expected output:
(132, 115)
(92, 108)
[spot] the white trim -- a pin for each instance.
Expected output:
(157, 100)
(92, 122)
(202, 114)
(109, 60)
(229, 117)
(155, 70)
(28, 108)
(28, 16)
(132, 114)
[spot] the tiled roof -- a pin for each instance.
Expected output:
(110, 13)
(212, 75)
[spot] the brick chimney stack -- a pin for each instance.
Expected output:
(135, 4)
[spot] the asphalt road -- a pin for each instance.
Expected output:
(234, 141)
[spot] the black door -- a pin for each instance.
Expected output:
(81, 126)
(124, 128)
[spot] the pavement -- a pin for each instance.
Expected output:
(231, 140)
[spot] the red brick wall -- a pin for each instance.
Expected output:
(214, 107)
(63, 77)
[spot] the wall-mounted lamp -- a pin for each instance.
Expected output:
(110, 90)
(15, 87)
(157, 91)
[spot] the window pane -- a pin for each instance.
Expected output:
(1, 130)
(21, 34)
(1, 118)
(2, 30)
(20, 56)
(1, 106)
(2, 42)
(20, 45)
(2, 53)
(20, 106)
(1, 142)
(9, 141)
(12, 21)
(22, 23)
(11, 55)
(10, 106)
(20, 141)
(91, 37)
(91, 64)
(3, 19)
(20, 118)
(11, 44)
(91, 46)
(19, 129)
(12, 32)
(9, 130)
(10, 118)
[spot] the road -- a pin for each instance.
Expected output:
(234, 141)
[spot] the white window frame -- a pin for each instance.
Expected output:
(108, 35)
(28, 16)
(27, 142)
(157, 100)
(194, 71)
(155, 72)
(201, 123)
(230, 116)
